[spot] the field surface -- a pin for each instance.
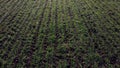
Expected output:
(59, 34)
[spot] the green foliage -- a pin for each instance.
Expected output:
(59, 34)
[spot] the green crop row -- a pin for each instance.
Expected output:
(59, 34)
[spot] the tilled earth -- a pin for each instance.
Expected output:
(59, 34)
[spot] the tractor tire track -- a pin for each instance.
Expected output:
(35, 38)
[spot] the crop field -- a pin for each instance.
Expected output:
(59, 33)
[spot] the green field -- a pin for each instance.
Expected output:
(59, 34)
